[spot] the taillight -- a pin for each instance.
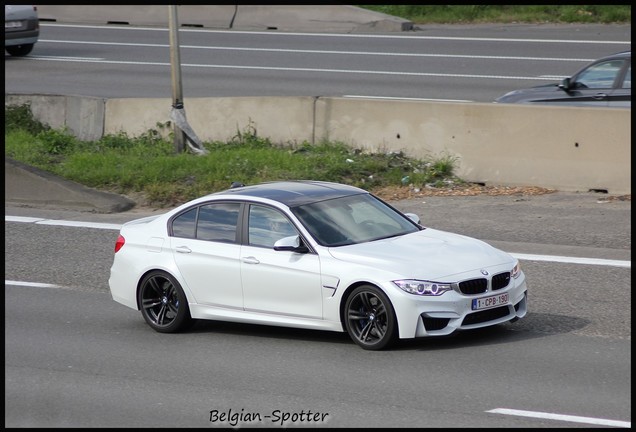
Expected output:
(119, 243)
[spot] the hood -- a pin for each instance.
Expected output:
(528, 93)
(427, 254)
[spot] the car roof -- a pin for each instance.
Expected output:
(293, 193)
(622, 54)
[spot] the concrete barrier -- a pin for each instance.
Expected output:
(82, 116)
(305, 18)
(565, 148)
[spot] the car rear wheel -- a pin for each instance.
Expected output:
(19, 50)
(370, 318)
(163, 304)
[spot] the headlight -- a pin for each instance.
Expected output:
(423, 288)
(516, 271)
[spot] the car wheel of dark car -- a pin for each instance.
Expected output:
(370, 319)
(163, 304)
(19, 50)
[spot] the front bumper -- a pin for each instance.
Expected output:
(452, 311)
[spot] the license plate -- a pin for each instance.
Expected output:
(488, 302)
(12, 24)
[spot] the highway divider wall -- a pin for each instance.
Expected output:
(564, 148)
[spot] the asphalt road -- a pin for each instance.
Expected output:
(75, 358)
(458, 63)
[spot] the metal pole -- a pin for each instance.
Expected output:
(175, 63)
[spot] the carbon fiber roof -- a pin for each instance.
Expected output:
(296, 192)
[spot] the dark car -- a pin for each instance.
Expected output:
(21, 29)
(606, 82)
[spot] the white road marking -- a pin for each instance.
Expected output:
(573, 260)
(561, 417)
(43, 57)
(97, 225)
(80, 224)
(529, 257)
(285, 69)
(31, 284)
(303, 51)
(404, 98)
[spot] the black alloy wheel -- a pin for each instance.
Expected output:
(163, 304)
(370, 318)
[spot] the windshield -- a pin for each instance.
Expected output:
(353, 219)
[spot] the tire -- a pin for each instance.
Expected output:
(163, 304)
(19, 50)
(370, 318)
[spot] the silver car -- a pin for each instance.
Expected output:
(21, 29)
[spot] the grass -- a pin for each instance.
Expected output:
(479, 14)
(148, 165)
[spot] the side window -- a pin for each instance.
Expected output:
(184, 224)
(627, 82)
(213, 222)
(217, 222)
(267, 225)
(601, 76)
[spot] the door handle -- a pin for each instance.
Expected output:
(250, 260)
(183, 249)
(600, 96)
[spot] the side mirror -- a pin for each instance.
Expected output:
(415, 218)
(291, 243)
(565, 84)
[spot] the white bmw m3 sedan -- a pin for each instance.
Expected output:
(312, 255)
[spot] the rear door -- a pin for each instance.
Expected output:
(206, 251)
(621, 96)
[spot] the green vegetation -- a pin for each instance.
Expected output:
(148, 165)
(479, 14)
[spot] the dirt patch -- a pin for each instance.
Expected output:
(395, 193)
(472, 189)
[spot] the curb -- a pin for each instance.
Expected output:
(28, 186)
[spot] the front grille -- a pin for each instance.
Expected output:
(486, 315)
(473, 286)
(431, 324)
(500, 280)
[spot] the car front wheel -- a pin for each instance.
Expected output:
(370, 318)
(19, 50)
(163, 304)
